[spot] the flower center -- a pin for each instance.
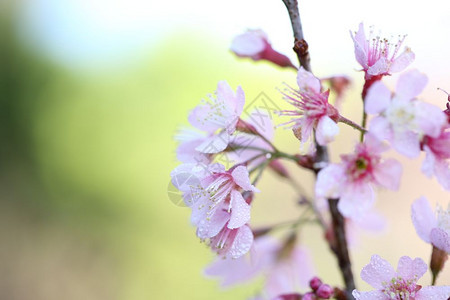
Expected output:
(401, 289)
(402, 115)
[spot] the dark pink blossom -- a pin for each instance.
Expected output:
(312, 110)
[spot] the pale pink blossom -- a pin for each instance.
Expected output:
(312, 110)
(402, 119)
(250, 148)
(378, 56)
(255, 45)
(398, 285)
(352, 181)
(283, 273)
(437, 160)
(432, 227)
(189, 139)
(218, 117)
(221, 191)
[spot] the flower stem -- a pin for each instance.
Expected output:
(353, 124)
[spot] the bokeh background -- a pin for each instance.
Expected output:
(91, 94)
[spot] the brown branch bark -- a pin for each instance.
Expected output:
(300, 44)
(321, 157)
(340, 248)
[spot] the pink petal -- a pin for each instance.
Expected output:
(356, 199)
(423, 218)
(440, 239)
(442, 172)
(307, 81)
(374, 145)
(402, 61)
(328, 183)
(410, 84)
(248, 44)
(327, 129)
(377, 272)
(433, 293)
(232, 271)
(372, 295)
(410, 269)
(388, 174)
(407, 143)
(381, 66)
(380, 128)
(242, 242)
(302, 260)
(240, 210)
(210, 227)
(214, 144)
(241, 177)
(359, 41)
(429, 162)
(377, 99)
(240, 101)
(430, 119)
(198, 118)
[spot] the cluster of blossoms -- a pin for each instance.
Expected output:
(220, 196)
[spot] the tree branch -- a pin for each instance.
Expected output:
(300, 45)
(321, 157)
(341, 249)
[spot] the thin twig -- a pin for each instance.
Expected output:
(300, 45)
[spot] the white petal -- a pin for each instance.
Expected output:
(402, 61)
(327, 129)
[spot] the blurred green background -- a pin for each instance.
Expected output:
(86, 150)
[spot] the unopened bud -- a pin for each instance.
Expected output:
(255, 45)
(245, 127)
(438, 259)
(305, 161)
(309, 296)
(294, 296)
(276, 166)
(315, 283)
(325, 291)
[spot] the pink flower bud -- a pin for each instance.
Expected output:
(309, 296)
(315, 283)
(324, 291)
(255, 45)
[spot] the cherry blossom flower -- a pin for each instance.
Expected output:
(378, 56)
(255, 45)
(352, 180)
(402, 119)
(312, 110)
(284, 271)
(437, 158)
(401, 284)
(432, 227)
(218, 117)
(189, 139)
(249, 146)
